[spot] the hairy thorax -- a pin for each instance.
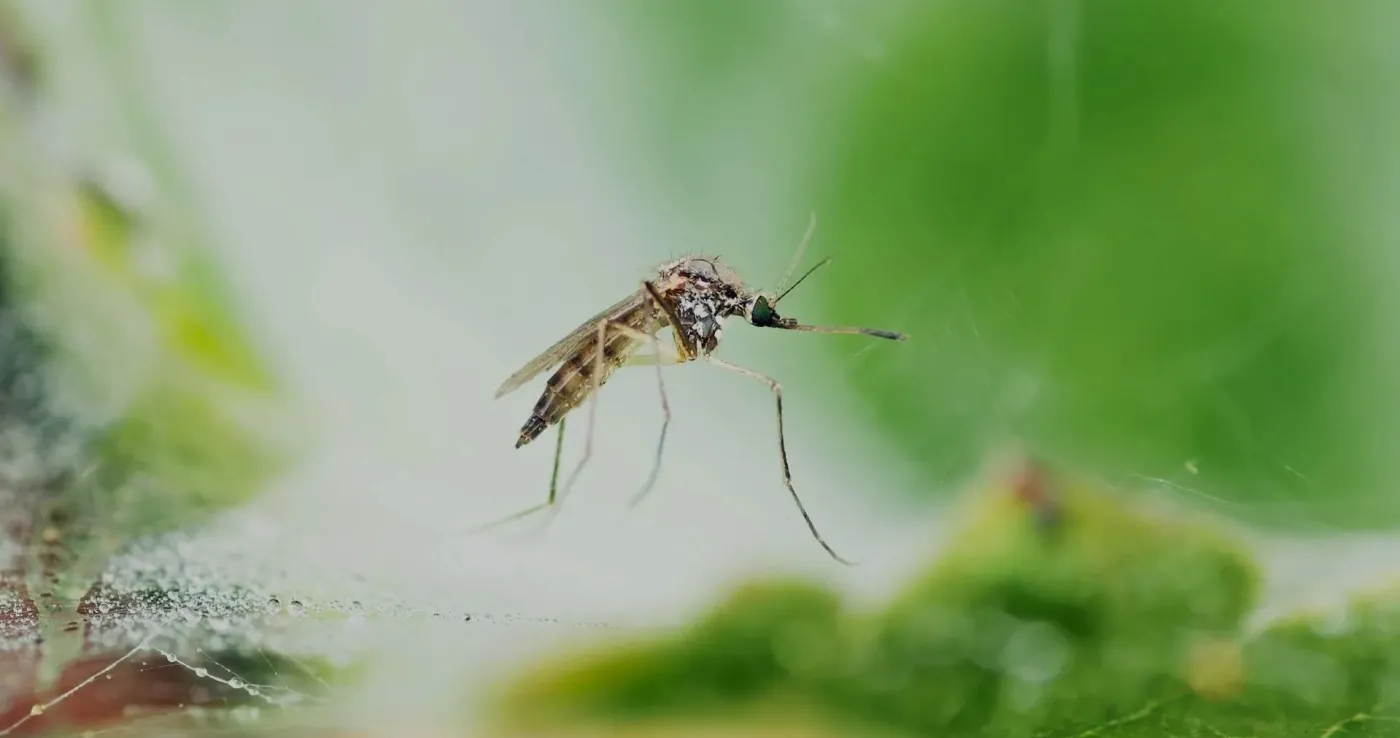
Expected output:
(701, 294)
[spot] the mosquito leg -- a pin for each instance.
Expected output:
(596, 379)
(665, 415)
(782, 448)
(658, 360)
(665, 411)
(556, 495)
(558, 454)
(665, 359)
(553, 488)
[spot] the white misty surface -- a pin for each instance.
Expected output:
(412, 201)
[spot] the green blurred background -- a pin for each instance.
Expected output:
(1149, 241)
(1144, 236)
(1152, 238)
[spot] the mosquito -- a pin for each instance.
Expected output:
(693, 295)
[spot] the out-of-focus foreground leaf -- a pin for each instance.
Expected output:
(1139, 235)
(1057, 610)
(169, 409)
(132, 404)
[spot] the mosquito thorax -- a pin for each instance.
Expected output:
(703, 296)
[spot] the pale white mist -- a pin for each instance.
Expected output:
(411, 201)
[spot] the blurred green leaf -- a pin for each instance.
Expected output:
(1114, 232)
(1057, 610)
(144, 357)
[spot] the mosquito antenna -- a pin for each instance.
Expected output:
(876, 332)
(801, 249)
(823, 262)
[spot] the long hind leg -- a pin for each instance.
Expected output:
(555, 500)
(556, 495)
(553, 489)
(656, 359)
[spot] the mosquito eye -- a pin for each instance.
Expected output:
(762, 313)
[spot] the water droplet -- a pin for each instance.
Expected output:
(297, 607)
(273, 603)
(201, 672)
(236, 683)
(104, 607)
(170, 657)
(36, 710)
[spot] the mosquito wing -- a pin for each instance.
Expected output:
(570, 344)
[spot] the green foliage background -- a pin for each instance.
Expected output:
(1158, 254)
(1145, 239)
(1141, 236)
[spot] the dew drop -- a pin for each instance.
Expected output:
(201, 672)
(297, 607)
(36, 710)
(236, 683)
(170, 657)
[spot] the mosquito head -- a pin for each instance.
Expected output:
(761, 310)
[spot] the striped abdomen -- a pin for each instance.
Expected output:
(574, 380)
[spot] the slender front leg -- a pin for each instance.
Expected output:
(782, 448)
